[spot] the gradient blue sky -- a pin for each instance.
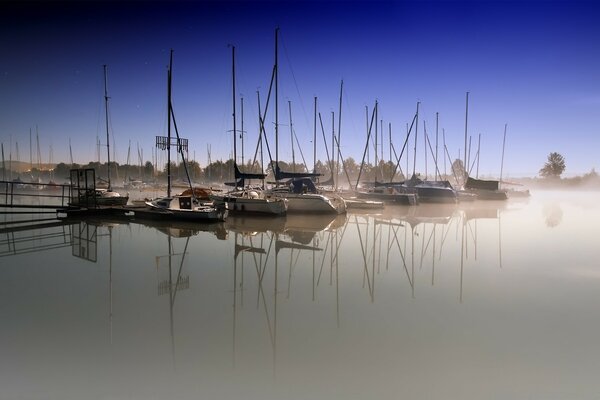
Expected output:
(532, 65)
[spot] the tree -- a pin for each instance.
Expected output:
(554, 167)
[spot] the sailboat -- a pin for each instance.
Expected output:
(483, 189)
(299, 190)
(429, 191)
(390, 193)
(180, 207)
(247, 200)
(103, 196)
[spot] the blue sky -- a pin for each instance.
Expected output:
(532, 65)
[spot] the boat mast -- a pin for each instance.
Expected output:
(233, 100)
(466, 122)
(502, 161)
(242, 128)
(31, 152)
(390, 139)
(416, 136)
(169, 124)
(292, 137)
(3, 163)
(276, 109)
(339, 135)
(315, 138)
(260, 139)
(333, 167)
(437, 115)
(376, 134)
(107, 135)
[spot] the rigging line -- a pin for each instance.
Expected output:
(403, 258)
(343, 162)
(300, 149)
(402, 151)
(326, 148)
(349, 108)
(323, 259)
(180, 148)
(179, 272)
(294, 79)
(364, 254)
(339, 243)
(432, 154)
(426, 247)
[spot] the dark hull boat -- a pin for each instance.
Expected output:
(485, 189)
(432, 191)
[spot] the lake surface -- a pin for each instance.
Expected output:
(476, 301)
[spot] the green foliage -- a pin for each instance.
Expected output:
(554, 167)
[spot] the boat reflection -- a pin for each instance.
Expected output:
(300, 228)
(266, 246)
(182, 229)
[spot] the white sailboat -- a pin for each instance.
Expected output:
(247, 200)
(300, 191)
(180, 207)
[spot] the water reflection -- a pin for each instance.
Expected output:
(356, 306)
(553, 214)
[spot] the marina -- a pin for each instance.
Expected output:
(323, 200)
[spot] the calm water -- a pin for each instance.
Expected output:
(478, 301)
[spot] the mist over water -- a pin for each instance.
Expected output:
(480, 300)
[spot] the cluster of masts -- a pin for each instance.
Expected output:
(295, 191)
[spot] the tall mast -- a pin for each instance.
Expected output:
(233, 100)
(416, 136)
(367, 146)
(315, 139)
(292, 137)
(3, 163)
(376, 165)
(242, 128)
(339, 134)
(70, 152)
(31, 152)
(444, 145)
(332, 143)
(425, 140)
(39, 154)
(276, 107)
(502, 161)
(107, 135)
(260, 137)
(466, 124)
(390, 137)
(437, 115)
(169, 71)
(381, 145)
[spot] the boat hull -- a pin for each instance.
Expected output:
(434, 194)
(182, 208)
(408, 199)
(313, 203)
(483, 194)
(261, 206)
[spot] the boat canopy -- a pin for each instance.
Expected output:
(303, 185)
(280, 175)
(481, 184)
(244, 175)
